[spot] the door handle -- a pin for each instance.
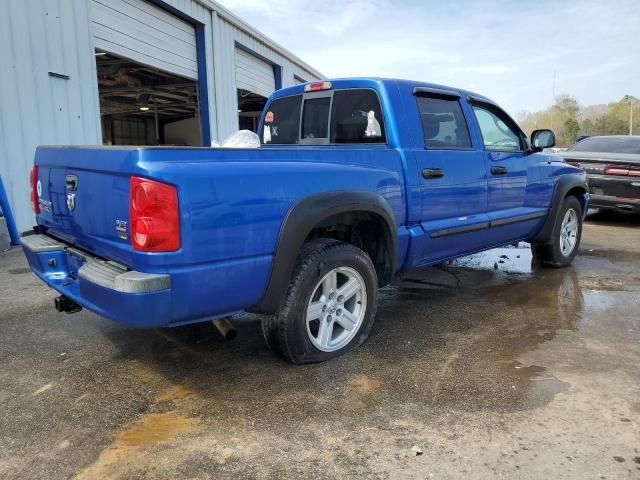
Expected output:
(496, 170)
(432, 173)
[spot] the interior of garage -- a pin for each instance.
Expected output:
(143, 105)
(250, 107)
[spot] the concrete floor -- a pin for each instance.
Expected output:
(507, 373)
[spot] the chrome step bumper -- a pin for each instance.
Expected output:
(106, 273)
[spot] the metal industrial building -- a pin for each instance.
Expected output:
(128, 72)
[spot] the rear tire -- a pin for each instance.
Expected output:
(565, 237)
(330, 304)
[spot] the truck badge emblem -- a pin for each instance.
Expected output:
(71, 201)
(121, 226)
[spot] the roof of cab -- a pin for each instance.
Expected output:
(338, 83)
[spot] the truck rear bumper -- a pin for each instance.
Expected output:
(138, 299)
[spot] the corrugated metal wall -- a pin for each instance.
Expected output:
(38, 37)
(254, 74)
(38, 107)
(143, 32)
(225, 38)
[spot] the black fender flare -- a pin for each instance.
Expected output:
(298, 223)
(564, 185)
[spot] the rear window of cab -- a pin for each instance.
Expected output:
(351, 116)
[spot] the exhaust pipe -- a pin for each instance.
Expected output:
(225, 328)
(65, 304)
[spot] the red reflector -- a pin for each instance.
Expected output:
(616, 170)
(634, 172)
(153, 216)
(33, 181)
(316, 86)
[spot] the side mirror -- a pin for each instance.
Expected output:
(542, 139)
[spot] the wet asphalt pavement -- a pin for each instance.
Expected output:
(514, 372)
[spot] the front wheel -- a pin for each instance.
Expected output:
(565, 237)
(330, 305)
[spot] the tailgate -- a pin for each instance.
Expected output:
(83, 194)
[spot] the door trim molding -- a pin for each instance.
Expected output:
(520, 218)
(445, 232)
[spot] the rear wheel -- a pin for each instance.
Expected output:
(565, 238)
(330, 304)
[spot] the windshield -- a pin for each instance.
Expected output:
(608, 145)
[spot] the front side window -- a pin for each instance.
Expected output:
(443, 123)
(356, 117)
(315, 118)
(497, 135)
(282, 121)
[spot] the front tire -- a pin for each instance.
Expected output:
(565, 237)
(330, 304)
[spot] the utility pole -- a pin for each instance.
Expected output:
(630, 99)
(630, 115)
(553, 99)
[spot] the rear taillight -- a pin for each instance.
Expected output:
(623, 170)
(33, 181)
(154, 217)
(616, 170)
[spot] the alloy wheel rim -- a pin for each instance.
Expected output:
(336, 309)
(569, 232)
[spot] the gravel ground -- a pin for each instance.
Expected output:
(507, 372)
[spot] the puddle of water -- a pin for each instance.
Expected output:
(538, 380)
(610, 284)
(597, 301)
(507, 259)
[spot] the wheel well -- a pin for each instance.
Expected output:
(367, 231)
(578, 192)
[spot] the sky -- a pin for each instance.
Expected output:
(507, 50)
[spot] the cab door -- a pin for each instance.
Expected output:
(511, 172)
(453, 176)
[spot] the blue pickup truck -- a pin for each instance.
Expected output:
(356, 182)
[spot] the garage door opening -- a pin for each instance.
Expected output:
(143, 105)
(250, 106)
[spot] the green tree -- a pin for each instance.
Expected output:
(621, 111)
(566, 106)
(586, 127)
(609, 124)
(571, 129)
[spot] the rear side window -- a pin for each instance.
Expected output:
(443, 123)
(608, 145)
(356, 117)
(315, 118)
(339, 117)
(282, 121)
